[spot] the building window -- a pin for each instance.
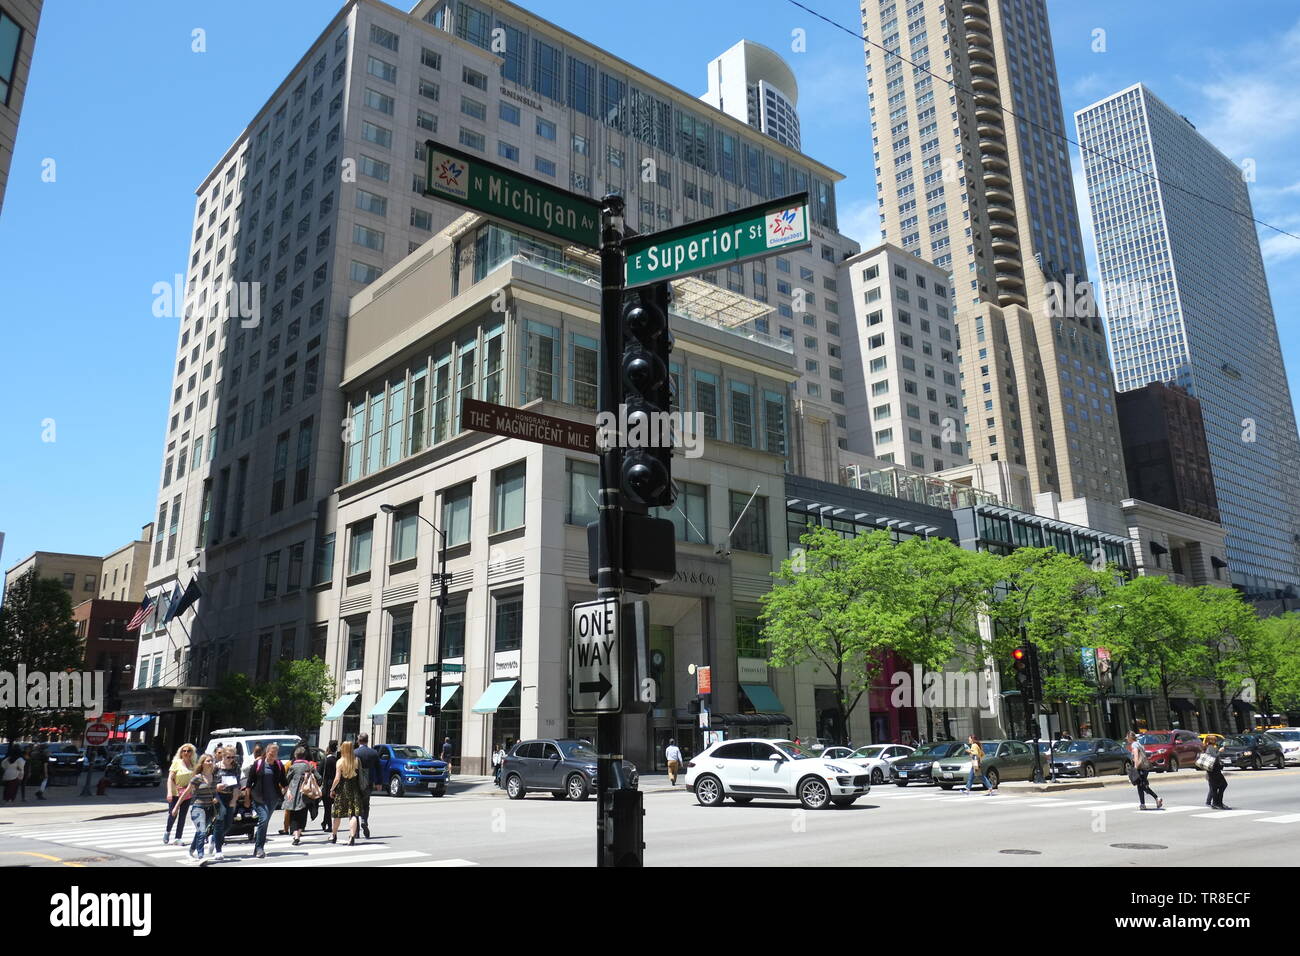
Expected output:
(541, 358)
(742, 414)
(271, 578)
(508, 497)
(689, 513)
(706, 402)
(400, 646)
(295, 568)
(751, 530)
(584, 490)
(456, 514)
(406, 528)
(508, 632)
(359, 548)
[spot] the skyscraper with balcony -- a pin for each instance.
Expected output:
(752, 83)
(972, 174)
(322, 193)
(1188, 304)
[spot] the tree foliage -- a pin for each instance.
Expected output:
(37, 631)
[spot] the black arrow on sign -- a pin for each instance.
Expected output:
(601, 687)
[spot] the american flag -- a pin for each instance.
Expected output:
(145, 607)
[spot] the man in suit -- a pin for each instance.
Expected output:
(369, 758)
(328, 766)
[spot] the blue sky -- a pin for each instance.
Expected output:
(112, 103)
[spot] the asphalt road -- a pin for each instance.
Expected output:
(892, 826)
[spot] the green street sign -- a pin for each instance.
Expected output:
(750, 233)
(504, 194)
(445, 668)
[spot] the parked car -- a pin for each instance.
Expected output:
(836, 753)
(65, 758)
(773, 770)
(917, 767)
(876, 759)
(1289, 738)
(1003, 760)
(410, 766)
(1090, 757)
(564, 768)
(134, 770)
(1171, 749)
(245, 740)
(1252, 751)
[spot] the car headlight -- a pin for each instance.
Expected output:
(1073, 763)
(1248, 753)
(834, 769)
(592, 770)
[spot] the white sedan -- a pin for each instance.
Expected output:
(876, 758)
(1289, 738)
(773, 770)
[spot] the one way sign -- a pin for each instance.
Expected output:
(594, 660)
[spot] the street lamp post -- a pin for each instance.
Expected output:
(435, 645)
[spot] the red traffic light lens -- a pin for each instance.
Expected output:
(1018, 654)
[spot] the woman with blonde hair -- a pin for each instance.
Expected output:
(178, 778)
(201, 794)
(345, 792)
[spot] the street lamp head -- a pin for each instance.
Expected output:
(387, 509)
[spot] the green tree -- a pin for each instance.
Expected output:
(844, 602)
(1226, 633)
(295, 697)
(234, 702)
(1281, 637)
(37, 631)
(1146, 628)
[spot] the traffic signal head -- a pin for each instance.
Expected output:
(1018, 657)
(433, 694)
(646, 393)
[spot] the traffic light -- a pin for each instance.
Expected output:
(646, 390)
(1035, 675)
(1020, 667)
(433, 694)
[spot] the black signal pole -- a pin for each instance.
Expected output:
(609, 727)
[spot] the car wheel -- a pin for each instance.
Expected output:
(708, 791)
(440, 790)
(844, 801)
(1281, 762)
(395, 786)
(1124, 768)
(515, 788)
(742, 800)
(1089, 770)
(576, 787)
(877, 778)
(1173, 764)
(1257, 764)
(900, 783)
(993, 779)
(814, 793)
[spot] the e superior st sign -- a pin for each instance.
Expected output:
(750, 233)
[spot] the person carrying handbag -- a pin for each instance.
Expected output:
(302, 791)
(1137, 774)
(1212, 764)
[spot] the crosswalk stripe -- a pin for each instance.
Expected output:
(1062, 802)
(1226, 814)
(46, 834)
(1286, 818)
(439, 863)
(349, 858)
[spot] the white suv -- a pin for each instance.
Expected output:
(773, 770)
(245, 740)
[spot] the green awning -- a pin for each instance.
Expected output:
(340, 705)
(386, 702)
(493, 696)
(448, 692)
(762, 697)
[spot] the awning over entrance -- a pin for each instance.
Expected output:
(747, 720)
(762, 697)
(341, 705)
(492, 697)
(386, 702)
(448, 692)
(1181, 703)
(136, 723)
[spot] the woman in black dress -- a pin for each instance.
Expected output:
(345, 792)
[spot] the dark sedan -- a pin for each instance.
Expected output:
(915, 767)
(1090, 757)
(133, 770)
(565, 768)
(1252, 751)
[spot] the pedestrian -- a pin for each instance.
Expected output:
(200, 795)
(1139, 771)
(498, 754)
(266, 781)
(327, 768)
(303, 789)
(673, 754)
(368, 777)
(976, 752)
(228, 791)
(40, 770)
(446, 754)
(1214, 777)
(178, 778)
(13, 767)
(346, 792)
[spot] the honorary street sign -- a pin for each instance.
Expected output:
(488, 188)
(775, 226)
(595, 665)
(530, 426)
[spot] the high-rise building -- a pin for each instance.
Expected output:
(972, 174)
(1187, 303)
(322, 193)
(1165, 453)
(18, 23)
(904, 394)
(753, 84)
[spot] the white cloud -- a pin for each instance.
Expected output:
(1275, 247)
(860, 221)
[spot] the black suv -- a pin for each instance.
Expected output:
(1252, 750)
(566, 768)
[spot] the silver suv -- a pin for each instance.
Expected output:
(566, 768)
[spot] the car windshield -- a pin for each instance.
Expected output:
(945, 749)
(794, 750)
(1076, 747)
(137, 760)
(410, 752)
(1285, 734)
(1154, 739)
(287, 745)
(1241, 740)
(873, 751)
(63, 748)
(578, 750)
